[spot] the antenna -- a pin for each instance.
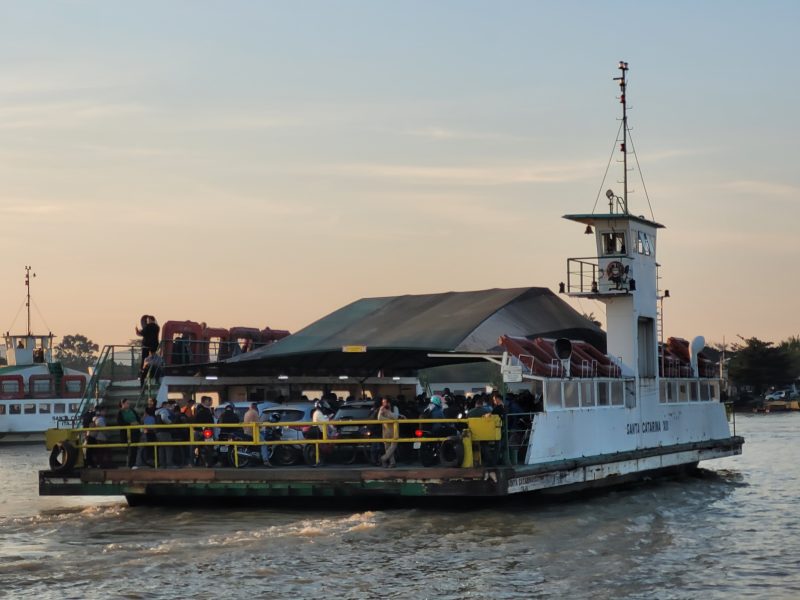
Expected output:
(623, 67)
(28, 269)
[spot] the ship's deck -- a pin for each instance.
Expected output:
(367, 481)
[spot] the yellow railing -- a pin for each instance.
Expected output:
(479, 429)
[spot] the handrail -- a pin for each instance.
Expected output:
(255, 438)
(107, 368)
(83, 405)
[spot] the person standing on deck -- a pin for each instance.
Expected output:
(499, 409)
(385, 413)
(127, 417)
(149, 332)
(102, 455)
(250, 417)
(145, 453)
(203, 415)
(165, 452)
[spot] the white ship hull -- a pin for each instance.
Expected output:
(25, 420)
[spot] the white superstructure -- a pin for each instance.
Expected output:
(656, 404)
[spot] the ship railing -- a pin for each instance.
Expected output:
(586, 276)
(534, 367)
(519, 429)
(191, 353)
(468, 432)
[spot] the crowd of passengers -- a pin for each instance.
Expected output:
(513, 409)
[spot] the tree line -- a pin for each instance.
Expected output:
(755, 366)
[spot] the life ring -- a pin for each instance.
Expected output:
(451, 452)
(63, 458)
(615, 270)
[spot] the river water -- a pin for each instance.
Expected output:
(731, 533)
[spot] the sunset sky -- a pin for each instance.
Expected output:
(264, 163)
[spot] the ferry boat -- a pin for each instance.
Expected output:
(637, 408)
(35, 390)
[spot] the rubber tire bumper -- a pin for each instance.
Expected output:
(63, 458)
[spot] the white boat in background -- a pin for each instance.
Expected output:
(35, 389)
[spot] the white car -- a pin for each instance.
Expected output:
(777, 395)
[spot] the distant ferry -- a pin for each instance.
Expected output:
(35, 390)
(638, 408)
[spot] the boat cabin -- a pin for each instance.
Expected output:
(28, 349)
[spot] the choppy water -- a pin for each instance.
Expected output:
(730, 534)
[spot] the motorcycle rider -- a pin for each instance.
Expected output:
(202, 412)
(229, 416)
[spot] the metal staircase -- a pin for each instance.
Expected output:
(115, 376)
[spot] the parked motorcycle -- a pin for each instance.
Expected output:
(239, 455)
(447, 453)
(344, 454)
(284, 454)
(206, 455)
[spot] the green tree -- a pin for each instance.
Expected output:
(760, 365)
(791, 346)
(77, 352)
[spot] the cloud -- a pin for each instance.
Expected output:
(761, 188)
(244, 122)
(472, 175)
(64, 115)
(441, 133)
(22, 207)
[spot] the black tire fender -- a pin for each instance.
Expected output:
(63, 457)
(451, 452)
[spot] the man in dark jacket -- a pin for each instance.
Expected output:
(203, 416)
(149, 332)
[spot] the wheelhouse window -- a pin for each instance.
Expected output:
(614, 243)
(643, 244)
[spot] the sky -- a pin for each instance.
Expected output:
(265, 163)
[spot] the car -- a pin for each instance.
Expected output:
(241, 408)
(293, 412)
(777, 395)
(357, 410)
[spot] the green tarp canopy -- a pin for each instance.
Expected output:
(394, 335)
